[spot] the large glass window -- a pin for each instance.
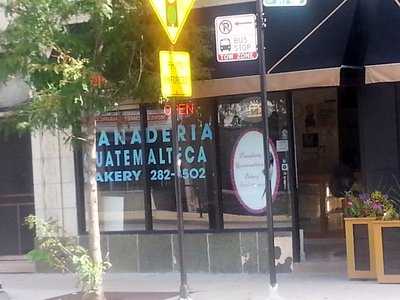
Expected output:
(119, 171)
(230, 187)
(241, 156)
(126, 153)
(196, 154)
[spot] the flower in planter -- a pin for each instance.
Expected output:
(388, 208)
(357, 205)
(375, 204)
(377, 207)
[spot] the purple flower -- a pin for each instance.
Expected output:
(377, 206)
(364, 197)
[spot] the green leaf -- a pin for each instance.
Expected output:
(107, 9)
(37, 256)
(85, 87)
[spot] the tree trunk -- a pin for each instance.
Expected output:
(91, 202)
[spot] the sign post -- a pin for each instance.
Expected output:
(261, 25)
(176, 82)
(175, 72)
(184, 288)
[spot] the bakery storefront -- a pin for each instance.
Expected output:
(222, 173)
(220, 152)
(332, 78)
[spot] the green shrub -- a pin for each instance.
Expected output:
(63, 254)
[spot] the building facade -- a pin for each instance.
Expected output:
(332, 79)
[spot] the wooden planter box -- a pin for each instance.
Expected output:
(387, 251)
(360, 248)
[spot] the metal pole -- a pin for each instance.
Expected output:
(184, 289)
(145, 169)
(293, 182)
(261, 25)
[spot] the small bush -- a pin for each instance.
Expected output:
(63, 254)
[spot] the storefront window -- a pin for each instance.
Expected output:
(241, 157)
(125, 154)
(196, 153)
(119, 171)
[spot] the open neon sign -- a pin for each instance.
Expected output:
(183, 109)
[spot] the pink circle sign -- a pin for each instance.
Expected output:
(248, 171)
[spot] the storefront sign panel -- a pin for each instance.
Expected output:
(120, 155)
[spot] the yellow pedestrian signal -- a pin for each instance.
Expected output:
(176, 80)
(172, 15)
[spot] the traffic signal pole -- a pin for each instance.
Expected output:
(261, 25)
(184, 289)
(172, 15)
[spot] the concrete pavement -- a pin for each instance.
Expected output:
(310, 281)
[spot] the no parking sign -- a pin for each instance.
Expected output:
(236, 38)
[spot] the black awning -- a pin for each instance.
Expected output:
(312, 42)
(382, 59)
(314, 36)
(320, 32)
(384, 32)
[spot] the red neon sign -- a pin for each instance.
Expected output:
(183, 109)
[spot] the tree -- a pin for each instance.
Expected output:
(82, 58)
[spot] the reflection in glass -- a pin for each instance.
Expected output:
(242, 162)
(196, 138)
(119, 172)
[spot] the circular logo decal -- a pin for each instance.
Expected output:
(248, 171)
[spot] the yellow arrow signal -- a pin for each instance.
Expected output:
(172, 15)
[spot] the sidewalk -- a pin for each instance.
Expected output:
(310, 281)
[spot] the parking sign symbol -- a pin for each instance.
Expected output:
(225, 27)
